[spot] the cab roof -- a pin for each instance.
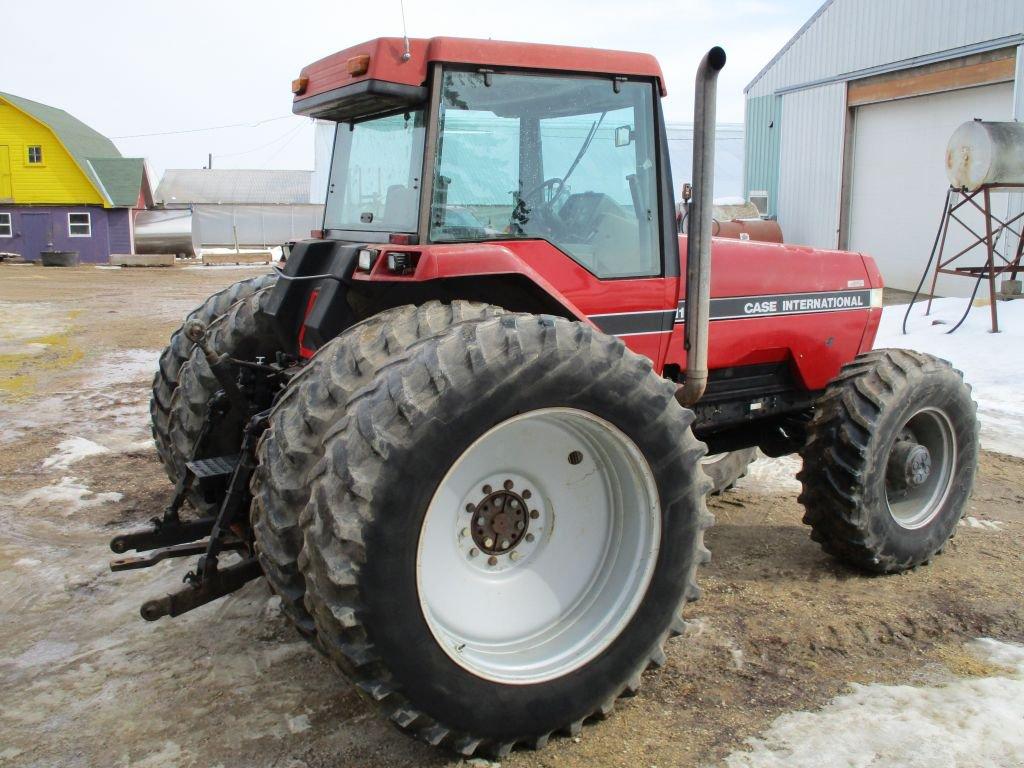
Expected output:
(321, 81)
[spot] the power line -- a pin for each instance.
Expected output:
(200, 130)
(280, 149)
(289, 133)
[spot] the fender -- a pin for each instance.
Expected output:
(448, 262)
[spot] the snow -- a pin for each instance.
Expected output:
(767, 475)
(986, 525)
(69, 495)
(71, 450)
(993, 364)
(973, 722)
(122, 367)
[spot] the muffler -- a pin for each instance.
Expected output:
(698, 238)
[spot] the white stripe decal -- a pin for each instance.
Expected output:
(653, 321)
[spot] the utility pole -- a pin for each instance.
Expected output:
(209, 162)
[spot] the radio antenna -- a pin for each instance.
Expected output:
(406, 54)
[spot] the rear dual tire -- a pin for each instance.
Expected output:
(382, 531)
(179, 350)
(293, 442)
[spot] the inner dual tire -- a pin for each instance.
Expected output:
(179, 350)
(502, 530)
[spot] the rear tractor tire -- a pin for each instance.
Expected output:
(243, 332)
(502, 531)
(178, 350)
(890, 459)
(293, 442)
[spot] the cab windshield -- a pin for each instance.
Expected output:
(375, 174)
(567, 159)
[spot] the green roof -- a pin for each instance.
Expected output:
(118, 179)
(121, 178)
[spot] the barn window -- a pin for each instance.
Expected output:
(79, 225)
(35, 155)
(5, 225)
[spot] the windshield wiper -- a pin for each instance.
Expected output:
(583, 149)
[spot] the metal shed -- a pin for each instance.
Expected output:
(256, 207)
(847, 125)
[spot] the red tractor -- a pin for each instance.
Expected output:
(464, 433)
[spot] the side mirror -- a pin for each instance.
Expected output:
(624, 135)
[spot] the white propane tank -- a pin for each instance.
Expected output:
(981, 152)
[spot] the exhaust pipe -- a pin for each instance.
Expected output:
(698, 230)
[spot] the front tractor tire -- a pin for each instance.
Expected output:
(890, 459)
(502, 531)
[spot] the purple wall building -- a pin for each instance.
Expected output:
(91, 230)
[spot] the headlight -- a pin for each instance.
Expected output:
(366, 259)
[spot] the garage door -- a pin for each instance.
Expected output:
(899, 179)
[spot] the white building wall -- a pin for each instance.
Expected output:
(811, 164)
(849, 36)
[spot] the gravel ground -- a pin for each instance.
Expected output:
(85, 682)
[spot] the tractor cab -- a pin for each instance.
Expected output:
(449, 146)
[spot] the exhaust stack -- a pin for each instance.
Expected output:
(698, 237)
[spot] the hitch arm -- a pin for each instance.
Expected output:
(225, 581)
(162, 534)
(178, 550)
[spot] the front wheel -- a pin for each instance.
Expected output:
(503, 530)
(890, 460)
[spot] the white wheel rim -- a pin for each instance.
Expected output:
(917, 507)
(563, 591)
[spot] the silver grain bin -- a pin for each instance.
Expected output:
(166, 231)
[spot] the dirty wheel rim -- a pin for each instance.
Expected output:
(539, 604)
(915, 504)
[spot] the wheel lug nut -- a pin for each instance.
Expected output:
(534, 514)
(514, 556)
(464, 533)
(488, 542)
(474, 552)
(487, 489)
(492, 560)
(529, 538)
(470, 508)
(527, 494)
(508, 485)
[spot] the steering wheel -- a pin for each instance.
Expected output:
(543, 218)
(555, 184)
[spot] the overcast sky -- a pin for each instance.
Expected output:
(130, 68)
